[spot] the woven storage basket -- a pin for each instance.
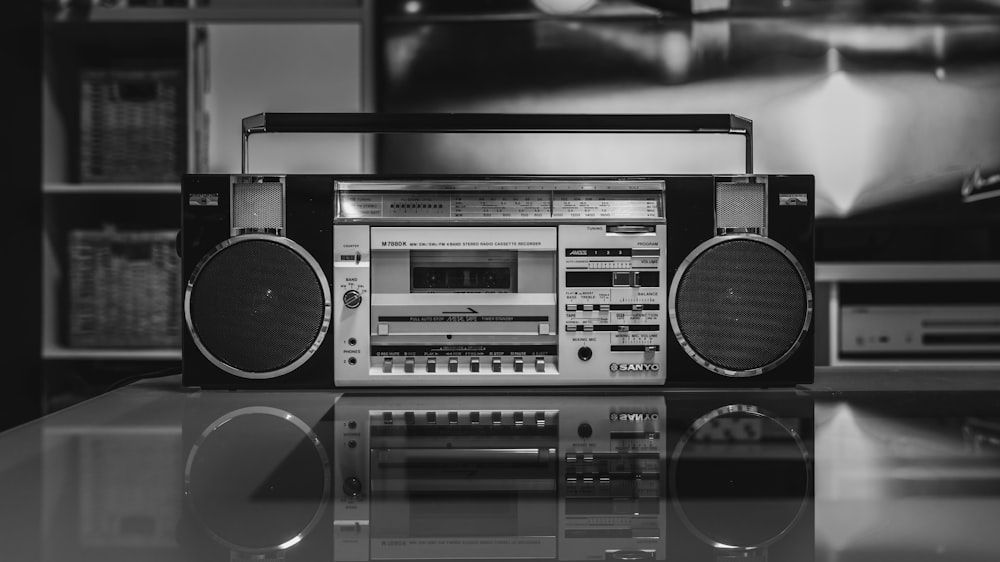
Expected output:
(129, 125)
(124, 289)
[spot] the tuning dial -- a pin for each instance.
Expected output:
(352, 299)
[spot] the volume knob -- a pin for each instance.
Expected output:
(352, 299)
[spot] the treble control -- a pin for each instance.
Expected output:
(352, 299)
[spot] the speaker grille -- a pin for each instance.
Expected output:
(740, 304)
(258, 206)
(740, 205)
(258, 306)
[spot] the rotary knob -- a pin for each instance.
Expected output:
(352, 299)
(352, 486)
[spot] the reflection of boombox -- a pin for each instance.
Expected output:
(256, 476)
(315, 281)
(543, 476)
(472, 477)
(740, 476)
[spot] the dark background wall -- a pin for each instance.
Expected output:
(20, 392)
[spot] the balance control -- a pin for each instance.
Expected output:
(352, 299)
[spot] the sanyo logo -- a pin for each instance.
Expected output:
(393, 243)
(634, 367)
(633, 416)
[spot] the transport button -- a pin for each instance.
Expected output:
(496, 418)
(453, 364)
(452, 418)
(519, 364)
(387, 418)
(474, 417)
(432, 418)
(410, 418)
(431, 365)
(474, 365)
(495, 364)
(387, 365)
(539, 364)
(408, 364)
(518, 418)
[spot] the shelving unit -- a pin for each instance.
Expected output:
(232, 59)
(953, 299)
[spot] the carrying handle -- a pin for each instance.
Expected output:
(308, 122)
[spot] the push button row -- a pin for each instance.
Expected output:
(475, 364)
(517, 418)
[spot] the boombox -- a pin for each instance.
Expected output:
(322, 281)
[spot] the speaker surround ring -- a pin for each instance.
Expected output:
(230, 419)
(797, 333)
(308, 349)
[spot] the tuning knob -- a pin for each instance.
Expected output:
(352, 299)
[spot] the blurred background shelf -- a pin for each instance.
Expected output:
(134, 97)
(110, 188)
(64, 353)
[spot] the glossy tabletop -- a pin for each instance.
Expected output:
(872, 464)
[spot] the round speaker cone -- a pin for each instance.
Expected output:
(740, 479)
(257, 479)
(740, 303)
(258, 305)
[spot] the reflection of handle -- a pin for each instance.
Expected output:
(741, 554)
(667, 123)
(405, 457)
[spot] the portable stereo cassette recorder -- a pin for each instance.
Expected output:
(316, 281)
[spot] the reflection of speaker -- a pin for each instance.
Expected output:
(740, 261)
(256, 477)
(257, 253)
(740, 477)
